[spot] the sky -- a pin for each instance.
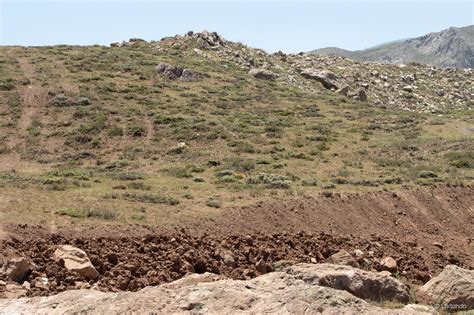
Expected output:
(290, 26)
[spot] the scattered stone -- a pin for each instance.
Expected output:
(342, 258)
(389, 264)
(362, 96)
(74, 259)
(12, 291)
(437, 244)
(408, 88)
(343, 90)
(262, 74)
(453, 287)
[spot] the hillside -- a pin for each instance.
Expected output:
(453, 47)
(197, 154)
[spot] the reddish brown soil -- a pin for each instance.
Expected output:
(402, 225)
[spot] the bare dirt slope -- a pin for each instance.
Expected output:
(423, 230)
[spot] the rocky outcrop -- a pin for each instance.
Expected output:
(363, 284)
(74, 259)
(276, 293)
(452, 288)
(174, 72)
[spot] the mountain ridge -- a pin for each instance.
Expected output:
(449, 48)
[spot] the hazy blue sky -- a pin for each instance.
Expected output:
(291, 26)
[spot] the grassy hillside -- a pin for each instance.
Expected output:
(95, 134)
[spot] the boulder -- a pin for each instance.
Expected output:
(174, 72)
(453, 287)
(11, 291)
(211, 39)
(363, 284)
(389, 264)
(327, 78)
(362, 95)
(262, 74)
(14, 269)
(272, 293)
(76, 260)
(169, 71)
(342, 257)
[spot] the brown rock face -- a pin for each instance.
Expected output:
(76, 260)
(14, 269)
(453, 288)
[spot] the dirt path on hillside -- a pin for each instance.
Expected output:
(33, 95)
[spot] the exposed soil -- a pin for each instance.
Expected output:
(404, 225)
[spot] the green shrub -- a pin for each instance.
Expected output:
(213, 203)
(427, 174)
(150, 198)
(88, 213)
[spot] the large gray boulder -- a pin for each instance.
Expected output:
(452, 288)
(363, 284)
(273, 293)
(327, 78)
(75, 259)
(173, 72)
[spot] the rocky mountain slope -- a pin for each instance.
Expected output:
(196, 122)
(453, 47)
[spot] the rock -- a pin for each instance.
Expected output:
(170, 71)
(385, 273)
(437, 244)
(363, 284)
(408, 88)
(358, 253)
(262, 74)
(389, 264)
(454, 286)
(362, 95)
(275, 293)
(174, 72)
(327, 78)
(343, 90)
(14, 269)
(261, 266)
(211, 39)
(188, 75)
(342, 258)
(12, 291)
(74, 259)
(84, 101)
(226, 256)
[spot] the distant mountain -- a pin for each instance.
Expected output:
(453, 47)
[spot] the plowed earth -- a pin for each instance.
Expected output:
(423, 230)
